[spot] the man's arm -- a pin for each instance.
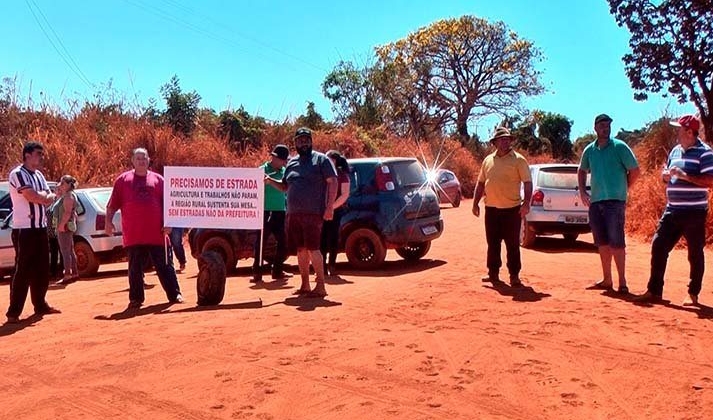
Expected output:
(44, 198)
(331, 196)
(109, 224)
(528, 198)
(477, 195)
(582, 185)
(702, 180)
(280, 185)
(632, 176)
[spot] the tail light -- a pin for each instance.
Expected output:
(384, 179)
(100, 222)
(537, 198)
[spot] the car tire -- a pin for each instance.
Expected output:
(570, 237)
(527, 235)
(221, 246)
(87, 262)
(456, 200)
(365, 249)
(414, 252)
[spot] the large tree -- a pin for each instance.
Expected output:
(671, 48)
(352, 94)
(457, 69)
(181, 108)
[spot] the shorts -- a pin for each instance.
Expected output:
(303, 231)
(606, 218)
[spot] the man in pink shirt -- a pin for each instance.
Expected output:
(139, 195)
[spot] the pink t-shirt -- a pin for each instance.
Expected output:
(140, 199)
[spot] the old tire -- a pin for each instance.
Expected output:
(87, 262)
(364, 249)
(527, 235)
(222, 247)
(414, 252)
(210, 283)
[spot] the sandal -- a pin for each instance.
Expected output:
(601, 286)
(300, 292)
(624, 290)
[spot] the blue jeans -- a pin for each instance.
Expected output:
(691, 224)
(606, 218)
(177, 245)
(166, 274)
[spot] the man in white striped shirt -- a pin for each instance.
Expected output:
(30, 194)
(688, 174)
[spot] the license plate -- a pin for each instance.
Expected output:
(576, 219)
(429, 230)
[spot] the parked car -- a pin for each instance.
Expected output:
(91, 244)
(390, 206)
(446, 185)
(555, 207)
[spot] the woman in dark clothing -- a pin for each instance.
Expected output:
(330, 228)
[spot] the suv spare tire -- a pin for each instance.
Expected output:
(365, 249)
(223, 247)
(210, 283)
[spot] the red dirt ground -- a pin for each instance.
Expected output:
(425, 340)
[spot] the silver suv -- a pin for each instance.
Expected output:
(555, 207)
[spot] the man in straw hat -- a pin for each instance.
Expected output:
(501, 176)
(613, 169)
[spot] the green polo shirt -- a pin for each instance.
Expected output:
(274, 198)
(609, 166)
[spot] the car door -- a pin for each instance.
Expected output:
(7, 251)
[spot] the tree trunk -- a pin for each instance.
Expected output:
(463, 135)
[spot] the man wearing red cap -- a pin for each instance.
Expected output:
(688, 175)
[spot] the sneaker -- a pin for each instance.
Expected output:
(648, 297)
(47, 310)
(181, 267)
(691, 300)
(515, 281)
(12, 320)
(332, 269)
(281, 275)
(489, 278)
(256, 280)
(134, 304)
(177, 299)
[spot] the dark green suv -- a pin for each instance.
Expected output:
(391, 206)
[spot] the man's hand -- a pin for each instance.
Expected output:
(476, 209)
(678, 172)
(167, 230)
(329, 213)
(50, 199)
(586, 199)
(109, 228)
(524, 209)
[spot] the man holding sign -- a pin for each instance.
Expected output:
(311, 185)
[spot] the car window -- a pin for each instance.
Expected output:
(563, 177)
(101, 197)
(408, 173)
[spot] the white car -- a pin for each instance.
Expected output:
(555, 207)
(91, 243)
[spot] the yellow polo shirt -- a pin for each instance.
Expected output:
(502, 177)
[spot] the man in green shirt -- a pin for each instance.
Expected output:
(274, 218)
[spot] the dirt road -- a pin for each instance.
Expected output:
(411, 341)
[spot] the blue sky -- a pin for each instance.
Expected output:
(271, 56)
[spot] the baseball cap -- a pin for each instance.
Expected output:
(281, 151)
(687, 121)
(602, 117)
(303, 132)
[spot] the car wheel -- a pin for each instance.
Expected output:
(414, 252)
(456, 200)
(365, 249)
(527, 235)
(87, 262)
(570, 237)
(221, 246)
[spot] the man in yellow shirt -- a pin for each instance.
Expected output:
(501, 176)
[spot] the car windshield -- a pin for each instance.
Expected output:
(408, 173)
(561, 177)
(101, 197)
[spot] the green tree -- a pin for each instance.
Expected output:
(671, 43)
(240, 129)
(352, 93)
(311, 119)
(181, 108)
(556, 128)
(457, 69)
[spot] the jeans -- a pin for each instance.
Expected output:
(503, 225)
(691, 224)
(69, 258)
(164, 268)
(330, 238)
(273, 223)
(31, 270)
(55, 256)
(606, 218)
(177, 245)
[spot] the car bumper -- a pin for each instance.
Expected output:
(421, 230)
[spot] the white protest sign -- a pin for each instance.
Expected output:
(221, 198)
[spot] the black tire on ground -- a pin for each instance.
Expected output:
(87, 262)
(527, 235)
(456, 201)
(365, 249)
(221, 246)
(210, 283)
(570, 237)
(414, 252)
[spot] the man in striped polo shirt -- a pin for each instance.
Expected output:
(689, 175)
(30, 194)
